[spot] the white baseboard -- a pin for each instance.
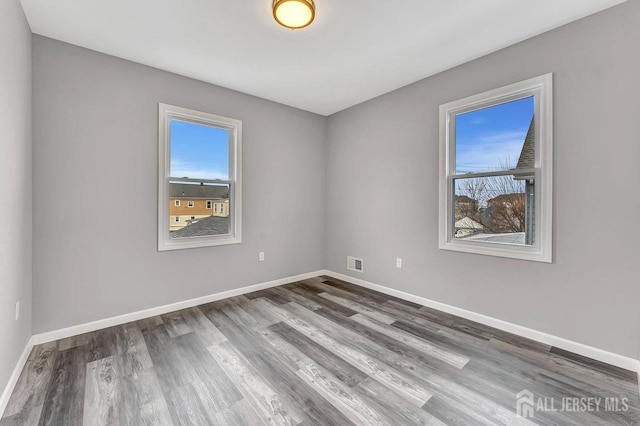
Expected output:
(8, 390)
(75, 330)
(559, 342)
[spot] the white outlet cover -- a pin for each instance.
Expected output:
(398, 262)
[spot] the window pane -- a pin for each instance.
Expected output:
(199, 151)
(198, 221)
(498, 209)
(493, 138)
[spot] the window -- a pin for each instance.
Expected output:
(176, 203)
(496, 172)
(199, 159)
(215, 208)
(177, 219)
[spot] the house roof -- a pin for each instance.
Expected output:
(212, 225)
(506, 198)
(510, 238)
(527, 159)
(464, 199)
(468, 223)
(185, 190)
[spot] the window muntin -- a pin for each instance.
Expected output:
(496, 172)
(200, 160)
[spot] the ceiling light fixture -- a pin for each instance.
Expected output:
(294, 14)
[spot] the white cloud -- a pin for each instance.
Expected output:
(490, 152)
(187, 169)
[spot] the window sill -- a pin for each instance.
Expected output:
(511, 251)
(197, 242)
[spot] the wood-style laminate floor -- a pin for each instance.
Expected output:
(319, 351)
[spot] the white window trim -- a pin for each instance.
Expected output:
(190, 204)
(541, 251)
(165, 114)
(176, 203)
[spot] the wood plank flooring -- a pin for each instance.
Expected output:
(315, 352)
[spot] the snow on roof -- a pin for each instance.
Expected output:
(468, 223)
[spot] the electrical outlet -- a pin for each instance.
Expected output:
(398, 262)
(17, 311)
(261, 256)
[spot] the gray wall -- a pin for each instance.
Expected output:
(375, 165)
(95, 189)
(15, 181)
(382, 188)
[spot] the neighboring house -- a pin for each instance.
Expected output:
(188, 202)
(506, 213)
(465, 206)
(210, 225)
(467, 226)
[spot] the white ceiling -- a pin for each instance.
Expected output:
(354, 50)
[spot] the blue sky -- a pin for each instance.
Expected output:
(198, 151)
(487, 138)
